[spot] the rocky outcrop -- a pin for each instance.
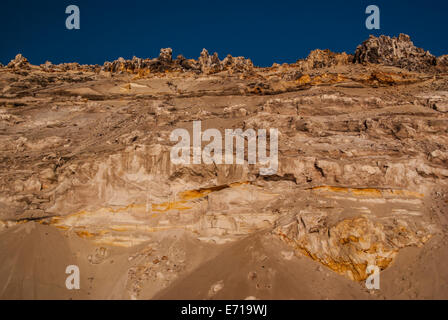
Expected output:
(398, 52)
(166, 55)
(237, 64)
(19, 62)
(206, 64)
(209, 63)
(324, 59)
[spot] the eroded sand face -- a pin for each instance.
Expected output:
(86, 179)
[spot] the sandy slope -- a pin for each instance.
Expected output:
(262, 268)
(34, 259)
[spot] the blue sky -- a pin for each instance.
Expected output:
(265, 31)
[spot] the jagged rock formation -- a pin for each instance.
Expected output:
(19, 62)
(362, 176)
(205, 64)
(397, 51)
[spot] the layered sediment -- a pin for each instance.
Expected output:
(362, 172)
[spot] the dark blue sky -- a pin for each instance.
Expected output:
(265, 31)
